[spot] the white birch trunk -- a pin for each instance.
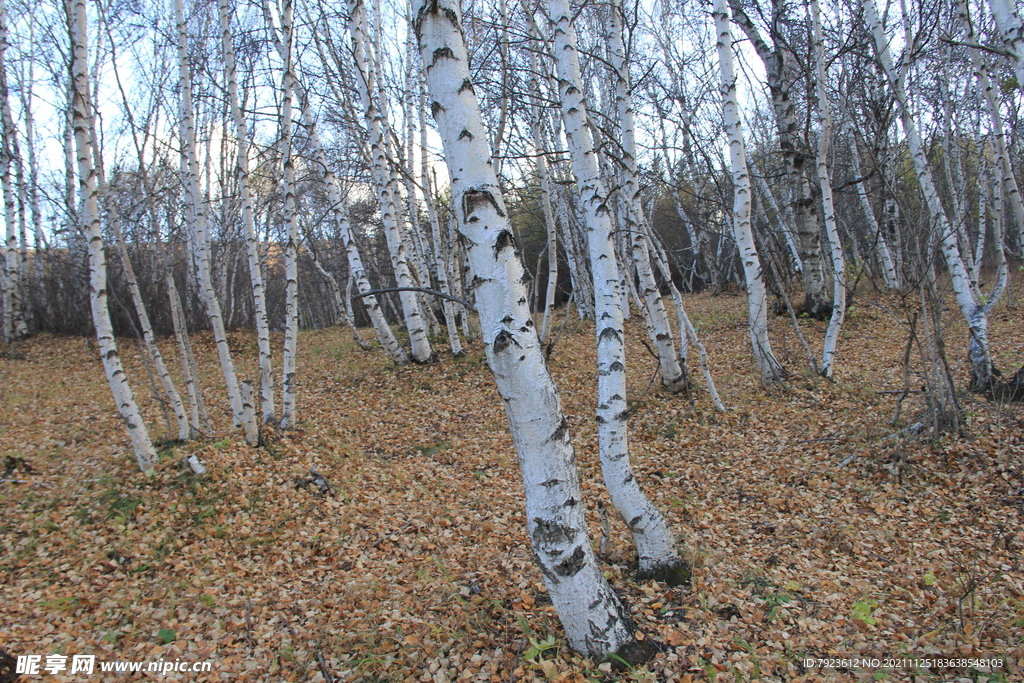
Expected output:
(14, 326)
(757, 301)
(248, 219)
(824, 117)
(291, 252)
(440, 260)
(673, 375)
(595, 622)
(1011, 30)
(385, 185)
(339, 214)
(656, 546)
(882, 252)
(1004, 167)
(89, 216)
(982, 376)
(197, 217)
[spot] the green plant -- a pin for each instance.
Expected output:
(167, 635)
(862, 611)
(537, 648)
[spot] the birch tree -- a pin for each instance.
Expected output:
(13, 310)
(757, 301)
(595, 621)
(1011, 31)
(973, 310)
(386, 186)
(673, 375)
(89, 215)
(248, 219)
(291, 252)
(824, 118)
(655, 543)
(196, 215)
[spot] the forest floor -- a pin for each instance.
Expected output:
(813, 536)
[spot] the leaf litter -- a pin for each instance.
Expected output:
(384, 540)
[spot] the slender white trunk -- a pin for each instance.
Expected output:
(386, 186)
(539, 148)
(440, 260)
(882, 252)
(291, 251)
(198, 420)
(595, 622)
(89, 216)
(13, 309)
(1011, 30)
(673, 376)
(982, 375)
(248, 219)
(1004, 167)
(824, 117)
(757, 301)
(654, 540)
(197, 217)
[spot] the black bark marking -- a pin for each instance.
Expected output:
(436, 109)
(506, 320)
(609, 333)
(442, 52)
(465, 135)
(616, 367)
(547, 533)
(467, 85)
(503, 341)
(481, 195)
(505, 239)
(560, 431)
(571, 565)
(550, 482)
(661, 336)
(633, 523)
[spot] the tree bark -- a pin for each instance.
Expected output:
(595, 622)
(656, 546)
(89, 216)
(757, 301)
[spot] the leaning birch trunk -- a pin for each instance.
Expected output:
(291, 251)
(824, 117)
(1011, 30)
(440, 261)
(355, 260)
(545, 187)
(673, 374)
(656, 545)
(757, 302)
(89, 217)
(596, 623)
(882, 251)
(686, 329)
(982, 374)
(248, 220)
(386, 188)
(1004, 168)
(341, 306)
(177, 405)
(339, 214)
(197, 217)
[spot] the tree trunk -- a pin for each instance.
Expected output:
(595, 622)
(248, 220)
(386, 187)
(982, 375)
(757, 301)
(89, 216)
(654, 540)
(291, 251)
(196, 215)
(824, 117)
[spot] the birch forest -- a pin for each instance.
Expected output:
(512, 341)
